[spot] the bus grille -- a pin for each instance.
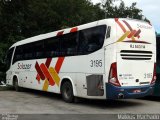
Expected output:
(136, 55)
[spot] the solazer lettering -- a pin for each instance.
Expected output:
(24, 66)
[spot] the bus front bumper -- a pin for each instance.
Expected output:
(114, 92)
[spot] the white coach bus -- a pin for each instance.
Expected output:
(106, 59)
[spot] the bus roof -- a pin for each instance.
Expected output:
(67, 30)
(49, 35)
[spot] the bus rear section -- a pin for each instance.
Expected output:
(133, 73)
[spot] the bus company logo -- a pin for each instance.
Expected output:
(131, 33)
(24, 66)
(49, 74)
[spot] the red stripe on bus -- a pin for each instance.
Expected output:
(122, 27)
(60, 33)
(116, 19)
(131, 41)
(39, 71)
(38, 77)
(128, 25)
(48, 62)
(74, 30)
(132, 33)
(47, 74)
(137, 34)
(59, 64)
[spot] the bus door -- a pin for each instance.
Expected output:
(8, 63)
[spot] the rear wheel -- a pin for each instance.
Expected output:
(67, 92)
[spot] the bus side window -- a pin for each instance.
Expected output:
(69, 44)
(52, 47)
(28, 51)
(39, 49)
(18, 55)
(91, 39)
(83, 43)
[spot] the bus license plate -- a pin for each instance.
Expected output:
(136, 91)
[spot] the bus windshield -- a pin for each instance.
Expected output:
(8, 59)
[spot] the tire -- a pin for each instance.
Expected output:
(16, 86)
(67, 92)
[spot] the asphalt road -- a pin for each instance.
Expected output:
(36, 102)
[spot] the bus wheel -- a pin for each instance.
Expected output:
(15, 85)
(67, 92)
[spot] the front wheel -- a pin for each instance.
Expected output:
(67, 92)
(16, 86)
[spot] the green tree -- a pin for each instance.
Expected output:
(122, 11)
(21, 19)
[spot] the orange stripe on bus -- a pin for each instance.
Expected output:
(55, 76)
(132, 34)
(59, 64)
(48, 62)
(74, 30)
(121, 26)
(47, 74)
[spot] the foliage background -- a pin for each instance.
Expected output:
(20, 19)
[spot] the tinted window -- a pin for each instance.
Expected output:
(69, 44)
(52, 47)
(27, 51)
(18, 54)
(91, 39)
(38, 49)
(78, 43)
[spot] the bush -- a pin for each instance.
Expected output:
(2, 77)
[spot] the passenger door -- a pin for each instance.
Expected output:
(8, 63)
